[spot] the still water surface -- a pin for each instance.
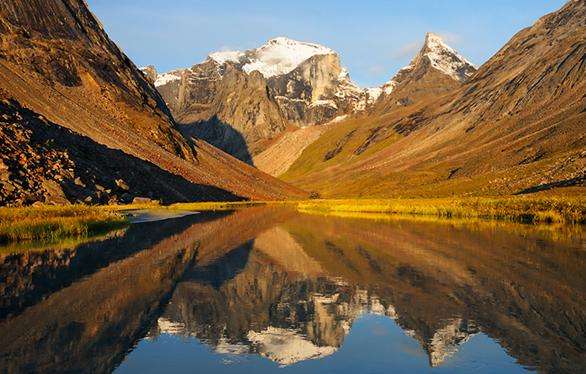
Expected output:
(266, 290)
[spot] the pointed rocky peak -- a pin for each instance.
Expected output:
(445, 59)
(446, 341)
(435, 54)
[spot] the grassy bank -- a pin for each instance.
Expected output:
(51, 223)
(527, 209)
(515, 209)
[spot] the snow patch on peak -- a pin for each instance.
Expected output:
(446, 59)
(163, 79)
(226, 56)
(277, 56)
(441, 57)
(282, 55)
(373, 93)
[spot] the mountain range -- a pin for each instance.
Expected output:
(81, 123)
(244, 102)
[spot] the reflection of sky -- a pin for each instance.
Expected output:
(375, 37)
(376, 344)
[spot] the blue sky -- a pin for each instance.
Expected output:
(375, 38)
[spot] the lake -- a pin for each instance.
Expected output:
(271, 290)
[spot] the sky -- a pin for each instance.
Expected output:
(374, 38)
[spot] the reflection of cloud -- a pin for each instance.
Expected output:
(377, 69)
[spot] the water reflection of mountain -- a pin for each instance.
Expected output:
(91, 320)
(309, 279)
(289, 287)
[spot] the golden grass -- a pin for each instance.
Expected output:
(515, 209)
(525, 209)
(51, 223)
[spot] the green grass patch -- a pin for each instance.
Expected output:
(53, 223)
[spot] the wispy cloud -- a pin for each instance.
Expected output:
(407, 50)
(451, 38)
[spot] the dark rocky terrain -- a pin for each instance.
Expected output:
(44, 162)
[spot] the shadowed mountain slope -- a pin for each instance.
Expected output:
(57, 61)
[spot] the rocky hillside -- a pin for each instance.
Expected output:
(516, 126)
(240, 101)
(436, 70)
(58, 65)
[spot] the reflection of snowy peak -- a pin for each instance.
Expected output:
(447, 341)
(286, 346)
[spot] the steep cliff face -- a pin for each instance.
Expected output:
(57, 61)
(317, 91)
(241, 101)
(227, 107)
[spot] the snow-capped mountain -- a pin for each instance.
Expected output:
(278, 56)
(240, 100)
(437, 68)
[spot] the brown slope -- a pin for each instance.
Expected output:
(517, 126)
(56, 60)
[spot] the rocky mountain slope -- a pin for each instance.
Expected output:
(435, 70)
(58, 68)
(516, 126)
(240, 101)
